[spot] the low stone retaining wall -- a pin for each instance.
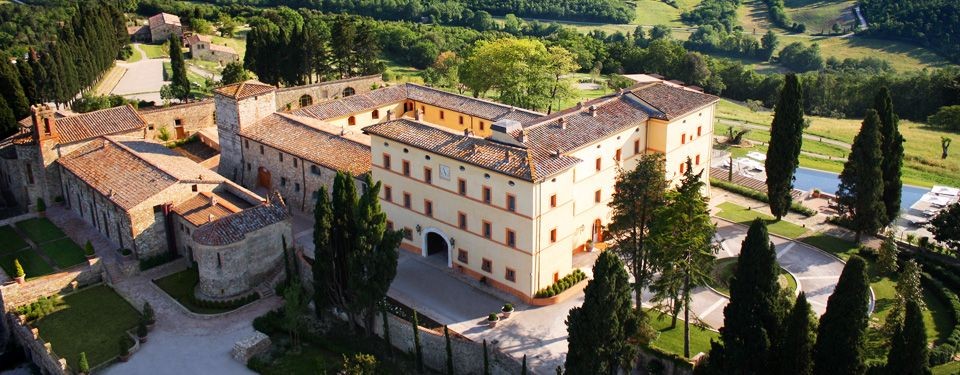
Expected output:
(245, 349)
(563, 296)
(40, 352)
(671, 365)
(18, 218)
(15, 295)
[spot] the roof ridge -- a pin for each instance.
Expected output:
(137, 155)
(299, 122)
(603, 100)
(476, 99)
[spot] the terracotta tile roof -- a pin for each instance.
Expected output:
(199, 38)
(129, 171)
(233, 228)
(355, 103)
(99, 123)
(163, 18)
(298, 137)
(670, 102)
(199, 209)
(244, 89)
(613, 114)
(525, 163)
(469, 105)
(219, 48)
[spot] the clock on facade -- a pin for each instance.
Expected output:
(444, 172)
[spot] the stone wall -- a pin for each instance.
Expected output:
(202, 51)
(289, 97)
(238, 268)
(231, 117)
(191, 116)
(15, 295)
(40, 352)
(163, 32)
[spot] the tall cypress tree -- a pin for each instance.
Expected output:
(11, 90)
(323, 283)
(908, 350)
(891, 147)
(179, 82)
(753, 319)
(842, 333)
(449, 347)
(26, 76)
(598, 330)
(8, 123)
(861, 182)
(786, 137)
(796, 357)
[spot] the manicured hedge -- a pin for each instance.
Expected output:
(563, 284)
(224, 305)
(758, 195)
(943, 353)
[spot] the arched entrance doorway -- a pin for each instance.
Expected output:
(436, 246)
(596, 232)
(348, 92)
(306, 100)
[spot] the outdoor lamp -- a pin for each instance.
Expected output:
(419, 229)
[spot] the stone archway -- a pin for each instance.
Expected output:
(306, 100)
(348, 92)
(436, 242)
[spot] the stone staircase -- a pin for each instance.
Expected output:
(268, 288)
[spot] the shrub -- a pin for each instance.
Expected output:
(18, 269)
(493, 317)
(360, 364)
(41, 205)
(82, 365)
(142, 329)
(124, 344)
(226, 304)
(88, 249)
(508, 307)
(163, 133)
(924, 242)
(156, 260)
(941, 354)
(40, 308)
(758, 195)
(950, 299)
(563, 284)
(148, 314)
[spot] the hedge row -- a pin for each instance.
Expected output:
(156, 260)
(758, 195)
(943, 353)
(563, 284)
(224, 305)
(40, 308)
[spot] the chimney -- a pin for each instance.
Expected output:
(556, 153)
(580, 105)
(474, 149)
(213, 200)
(44, 122)
(513, 109)
(210, 218)
(620, 91)
(389, 114)
(593, 111)
(563, 123)
(522, 137)
(506, 155)
(466, 133)
(417, 114)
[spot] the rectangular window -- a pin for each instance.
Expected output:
(682, 167)
(598, 164)
(462, 186)
(683, 138)
(617, 155)
(315, 195)
(511, 238)
(283, 181)
(294, 162)
(428, 175)
(481, 125)
(406, 200)
(386, 161)
(193, 187)
(462, 220)
(511, 203)
(699, 130)
(408, 234)
(428, 207)
(246, 143)
(406, 168)
(553, 235)
(596, 196)
(463, 256)
(487, 229)
(441, 115)
(296, 187)
(487, 265)
(388, 193)
(698, 160)
(553, 200)
(281, 156)
(636, 147)
(461, 120)
(261, 149)
(487, 195)
(510, 275)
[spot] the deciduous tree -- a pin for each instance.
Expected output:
(861, 182)
(786, 138)
(234, 72)
(842, 333)
(945, 226)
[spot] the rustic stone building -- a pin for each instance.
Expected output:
(203, 48)
(163, 26)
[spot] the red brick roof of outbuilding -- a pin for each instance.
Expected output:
(286, 133)
(234, 227)
(529, 164)
(245, 89)
(99, 123)
(670, 102)
(163, 18)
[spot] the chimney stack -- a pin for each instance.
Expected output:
(506, 155)
(593, 111)
(389, 114)
(580, 105)
(620, 91)
(563, 123)
(213, 200)
(417, 114)
(210, 218)
(466, 133)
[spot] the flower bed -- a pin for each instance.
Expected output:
(563, 284)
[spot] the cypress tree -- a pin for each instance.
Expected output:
(418, 350)
(908, 350)
(486, 359)
(26, 76)
(891, 147)
(179, 81)
(796, 356)
(598, 331)
(523, 365)
(840, 338)
(446, 337)
(323, 284)
(786, 137)
(11, 89)
(386, 329)
(8, 123)
(861, 182)
(753, 317)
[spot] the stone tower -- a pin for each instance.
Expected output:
(238, 106)
(47, 138)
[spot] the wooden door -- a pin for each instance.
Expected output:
(181, 134)
(263, 178)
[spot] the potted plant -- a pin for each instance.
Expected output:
(149, 316)
(492, 320)
(142, 331)
(506, 310)
(83, 367)
(20, 275)
(124, 344)
(88, 250)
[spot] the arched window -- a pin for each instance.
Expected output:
(306, 100)
(348, 91)
(375, 114)
(352, 120)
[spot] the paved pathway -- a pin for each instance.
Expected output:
(143, 79)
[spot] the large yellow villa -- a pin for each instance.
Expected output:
(504, 194)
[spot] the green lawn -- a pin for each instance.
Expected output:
(155, 51)
(808, 145)
(670, 340)
(820, 15)
(64, 252)
(88, 321)
(238, 43)
(952, 368)
(33, 265)
(742, 215)
(310, 360)
(901, 55)
(10, 241)
(40, 230)
(657, 12)
(836, 246)
(180, 286)
(134, 57)
(724, 268)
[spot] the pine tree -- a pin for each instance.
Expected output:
(796, 357)
(891, 147)
(842, 333)
(637, 195)
(754, 316)
(418, 350)
(486, 359)
(179, 82)
(786, 138)
(523, 365)
(861, 182)
(324, 285)
(449, 347)
(598, 331)
(908, 351)
(11, 90)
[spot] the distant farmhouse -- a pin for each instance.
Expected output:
(203, 48)
(164, 25)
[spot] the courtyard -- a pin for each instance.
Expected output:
(39, 245)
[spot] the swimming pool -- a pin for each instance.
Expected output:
(809, 179)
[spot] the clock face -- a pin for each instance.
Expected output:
(444, 172)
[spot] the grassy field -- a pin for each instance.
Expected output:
(135, 56)
(952, 368)
(33, 265)
(671, 339)
(88, 321)
(155, 51)
(64, 252)
(820, 15)
(922, 163)
(40, 230)
(742, 215)
(656, 12)
(238, 42)
(902, 56)
(752, 15)
(10, 241)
